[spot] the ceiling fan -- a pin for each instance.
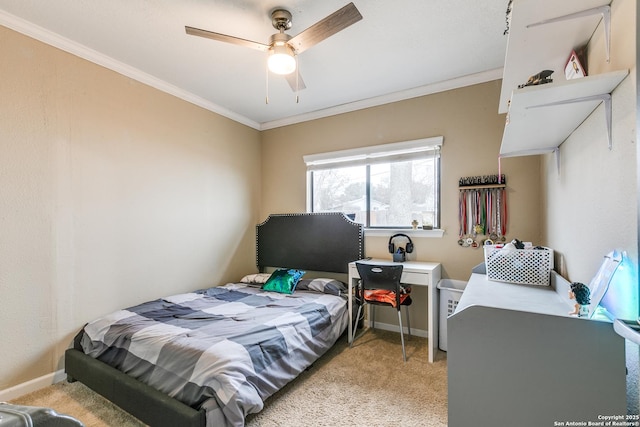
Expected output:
(283, 48)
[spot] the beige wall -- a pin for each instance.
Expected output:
(472, 128)
(468, 120)
(111, 193)
(591, 203)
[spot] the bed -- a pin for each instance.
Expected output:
(212, 356)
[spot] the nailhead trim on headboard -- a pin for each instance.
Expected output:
(325, 241)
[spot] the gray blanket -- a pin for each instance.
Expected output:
(225, 349)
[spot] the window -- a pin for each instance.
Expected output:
(383, 186)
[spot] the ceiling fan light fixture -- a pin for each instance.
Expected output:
(281, 60)
(282, 48)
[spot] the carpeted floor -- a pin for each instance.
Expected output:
(367, 385)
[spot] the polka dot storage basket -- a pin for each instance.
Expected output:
(520, 266)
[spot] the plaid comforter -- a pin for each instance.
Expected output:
(225, 349)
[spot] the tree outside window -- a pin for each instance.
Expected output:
(381, 192)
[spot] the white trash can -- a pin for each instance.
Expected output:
(450, 294)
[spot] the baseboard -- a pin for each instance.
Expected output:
(32, 385)
(394, 328)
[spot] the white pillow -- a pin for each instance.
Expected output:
(256, 279)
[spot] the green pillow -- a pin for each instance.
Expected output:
(283, 280)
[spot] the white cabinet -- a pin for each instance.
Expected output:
(541, 36)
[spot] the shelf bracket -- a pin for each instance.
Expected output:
(605, 11)
(605, 97)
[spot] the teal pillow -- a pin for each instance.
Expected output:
(283, 280)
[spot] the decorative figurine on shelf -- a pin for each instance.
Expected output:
(414, 224)
(581, 293)
(541, 78)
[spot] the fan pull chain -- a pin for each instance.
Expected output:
(297, 80)
(266, 98)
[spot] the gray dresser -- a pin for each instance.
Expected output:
(516, 357)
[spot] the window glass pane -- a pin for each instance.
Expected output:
(402, 192)
(397, 190)
(341, 190)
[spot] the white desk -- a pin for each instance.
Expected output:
(414, 273)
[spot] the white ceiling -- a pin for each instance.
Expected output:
(400, 49)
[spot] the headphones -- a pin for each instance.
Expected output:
(392, 247)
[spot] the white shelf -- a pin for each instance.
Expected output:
(541, 117)
(533, 48)
(541, 37)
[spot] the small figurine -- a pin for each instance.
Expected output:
(541, 78)
(518, 244)
(581, 293)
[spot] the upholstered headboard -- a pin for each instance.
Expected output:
(309, 241)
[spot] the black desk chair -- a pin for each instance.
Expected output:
(380, 285)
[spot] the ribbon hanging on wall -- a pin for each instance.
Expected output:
(482, 211)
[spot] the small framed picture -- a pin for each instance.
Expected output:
(575, 67)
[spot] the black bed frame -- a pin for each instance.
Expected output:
(324, 242)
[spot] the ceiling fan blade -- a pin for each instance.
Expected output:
(225, 38)
(337, 21)
(291, 79)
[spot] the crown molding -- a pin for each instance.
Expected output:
(468, 80)
(31, 30)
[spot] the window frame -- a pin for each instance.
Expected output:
(384, 153)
